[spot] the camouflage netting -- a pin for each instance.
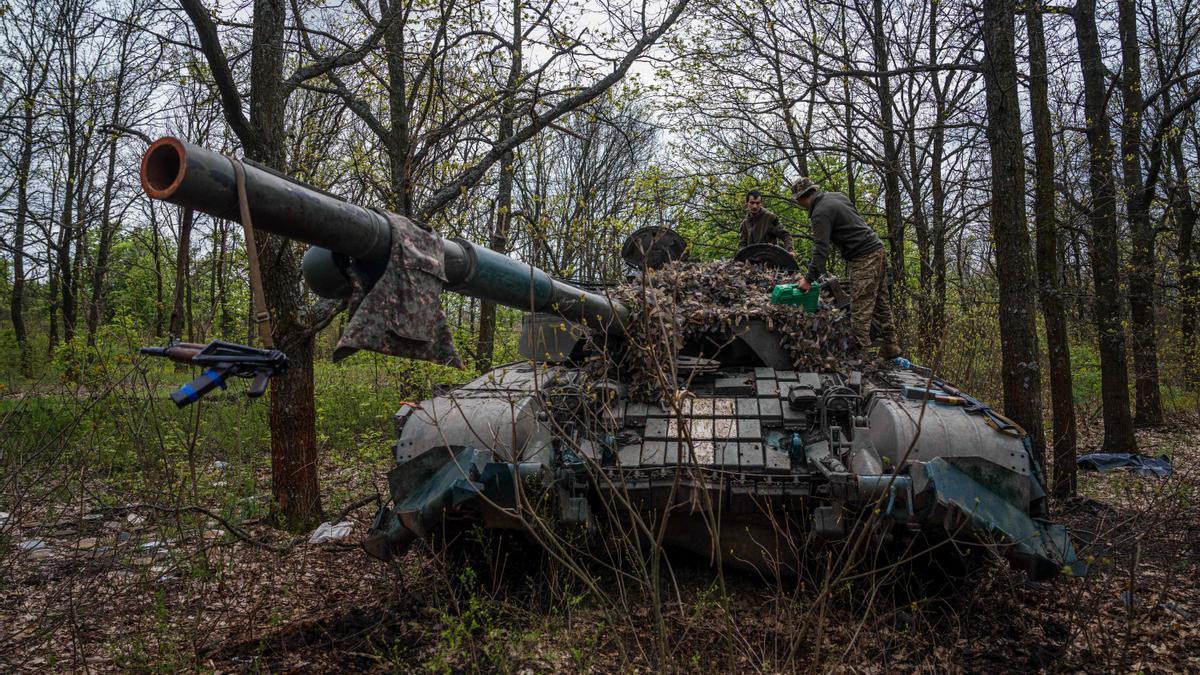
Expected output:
(709, 303)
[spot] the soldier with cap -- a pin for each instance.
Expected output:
(760, 226)
(835, 221)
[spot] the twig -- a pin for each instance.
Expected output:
(1131, 603)
(356, 505)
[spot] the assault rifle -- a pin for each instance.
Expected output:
(222, 360)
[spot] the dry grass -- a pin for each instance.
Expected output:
(98, 600)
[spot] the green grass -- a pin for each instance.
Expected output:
(112, 422)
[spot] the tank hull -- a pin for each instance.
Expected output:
(745, 469)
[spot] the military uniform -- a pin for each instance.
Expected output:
(835, 221)
(764, 228)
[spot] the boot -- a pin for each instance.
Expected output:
(890, 350)
(856, 351)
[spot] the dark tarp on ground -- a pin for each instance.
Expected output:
(1139, 464)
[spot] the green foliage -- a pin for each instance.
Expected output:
(116, 345)
(711, 226)
(1085, 364)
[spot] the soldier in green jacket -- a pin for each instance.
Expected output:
(835, 221)
(760, 226)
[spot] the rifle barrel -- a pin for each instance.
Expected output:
(179, 353)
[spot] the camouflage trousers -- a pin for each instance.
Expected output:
(869, 299)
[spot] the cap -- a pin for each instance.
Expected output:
(803, 186)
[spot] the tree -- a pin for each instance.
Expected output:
(891, 156)
(1137, 207)
(1058, 349)
(263, 137)
(485, 345)
(1114, 379)
(1014, 269)
(32, 49)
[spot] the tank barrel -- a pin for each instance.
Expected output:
(198, 178)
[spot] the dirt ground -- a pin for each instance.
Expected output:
(152, 590)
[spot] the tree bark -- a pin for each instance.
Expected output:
(17, 301)
(937, 190)
(183, 259)
(156, 254)
(1114, 379)
(1142, 331)
(293, 410)
(66, 237)
(1014, 269)
(1183, 209)
(1057, 347)
(486, 344)
(107, 229)
(891, 164)
(397, 144)
(263, 136)
(926, 329)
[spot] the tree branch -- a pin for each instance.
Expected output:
(210, 46)
(471, 176)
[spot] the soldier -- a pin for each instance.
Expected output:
(835, 220)
(760, 226)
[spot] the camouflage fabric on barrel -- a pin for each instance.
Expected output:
(401, 313)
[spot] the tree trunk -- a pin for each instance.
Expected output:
(104, 247)
(1014, 269)
(891, 166)
(1137, 205)
(293, 412)
(1057, 347)
(398, 144)
(81, 262)
(17, 304)
(263, 137)
(848, 116)
(223, 255)
(1114, 380)
(1183, 209)
(485, 347)
(156, 254)
(52, 300)
(937, 190)
(926, 332)
(66, 237)
(182, 263)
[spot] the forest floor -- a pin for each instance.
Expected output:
(118, 586)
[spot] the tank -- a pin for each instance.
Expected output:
(747, 459)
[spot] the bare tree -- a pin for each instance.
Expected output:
(1014, 268)
(263, 137)
(1058, 349)
(31, 48)
(1118, 425)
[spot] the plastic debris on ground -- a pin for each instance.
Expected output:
(1139, 464)
(155, 548)
(327, 532)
